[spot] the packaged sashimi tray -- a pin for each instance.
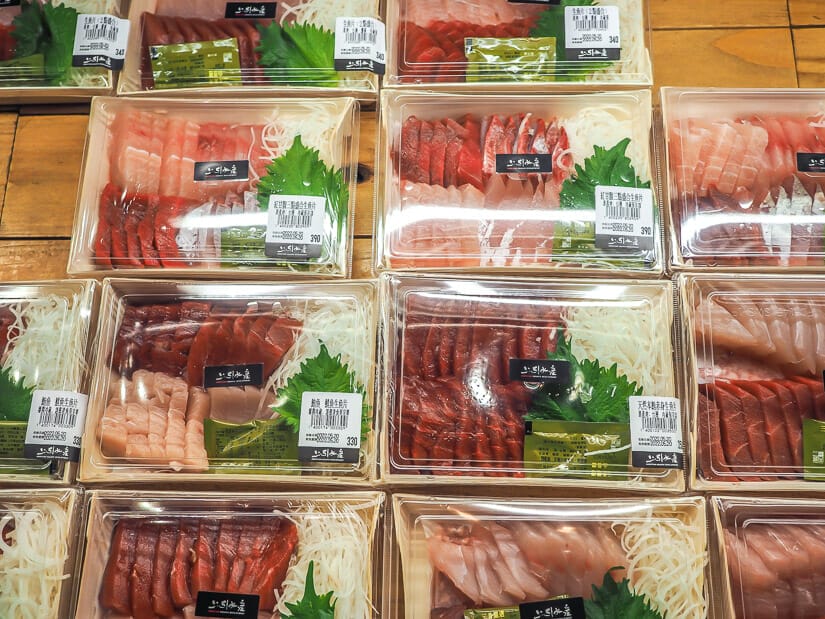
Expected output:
(518, 182)
(60, 50)
(226, 381)
(38, 546)
(746, 175)
(44, 346)
(503, 44)
(529, 382)
(469, 558)
(755, 351)
(771, 557)
(190, 187)
(214, 47)
(250, 556)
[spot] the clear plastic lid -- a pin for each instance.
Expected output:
(772, 557)
(44, 344)
(535, 382)
(160, 554)
(209, 380)
(746, 176)
(55, 48)
(486, 43)
(38, 535)
(194, 186)
(755, 379)
(463, 556)
(213, 45)
(517, 182)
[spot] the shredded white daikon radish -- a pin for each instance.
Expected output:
(628, 335)
(94, 7)
(316, 126)
(47, 348)
(323, 12)
(32, 563)
(666, 560)
(606, 126)
(338, 541)
(635, 61)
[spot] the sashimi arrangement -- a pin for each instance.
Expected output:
(743, 192)
(760, 354)
(34, 553)
(455, 41)
(43, 336)
(204, 44)
(182, 188)
(303, 557)
(216, 384)
(484, 559)
(453, 200)
(37, 39)
(456, 407)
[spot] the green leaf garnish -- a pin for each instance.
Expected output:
(312, 605)
(615, 600)
(321, 373)
(551, 24)
(301, 53)
(595, 394)
(15, 398)
(49, 30)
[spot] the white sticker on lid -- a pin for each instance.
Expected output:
(360, 44)
(100, 41)
(295, 227)
(656, 432)
(55, 427)
(592, 33)
(330, 427)
(624, 218)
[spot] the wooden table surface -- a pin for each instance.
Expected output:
(729, 43)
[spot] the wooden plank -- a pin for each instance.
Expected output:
(26, 259)
(716, 14)
(362, 259)
(8, 124)
(731, 58)
(45, 167)
(807, 12)
(810, 56)
(365, 195)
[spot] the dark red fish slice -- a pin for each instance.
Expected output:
(180, 583)
(115, 592)
(140, 580)
(162, 603)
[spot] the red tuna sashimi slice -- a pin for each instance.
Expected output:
(200, 351)
(140, 580)
(268, 528)
(712, 461)
(818, 343)
(169, 212)
(162, 603)
(250, 531)
(146, 233)
(275, 564)
(180, 586)
(757, 426)
(280, 338)
(227, 548)
(773, 552)
(115, 589)
(203, 564)
(408, 151)
(438, 153)
(793, 420)
(425, 139)
(774, 423)
(456, 134)
(511, 133)
(135, 208)
(746, 566)
(818, 393)
(734, 428)
(493, 138)
(109, 202)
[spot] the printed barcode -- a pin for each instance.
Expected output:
(289, 218)
(591, 22)
(328, 418)
(631, 211)
(364, 34)
(59, 417)
(101, 28)
(659, 421)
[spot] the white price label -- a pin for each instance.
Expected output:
(295, 226)
(656, 432)
(55, 428)
(100, 41)
(330, 427)
(592, 33)
(624, 218)
(360, 44)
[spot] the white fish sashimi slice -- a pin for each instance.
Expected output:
(747, 313)
(801, 204)
(519, 570)
(455, 561)
(804, 336)
(781, 232)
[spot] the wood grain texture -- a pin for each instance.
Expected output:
(725, 57)
(809, 46)
(8, 124)
(716, 14)
(807, 12)
(31, 260)
(45, 167)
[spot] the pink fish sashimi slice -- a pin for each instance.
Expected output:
(135, 163)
